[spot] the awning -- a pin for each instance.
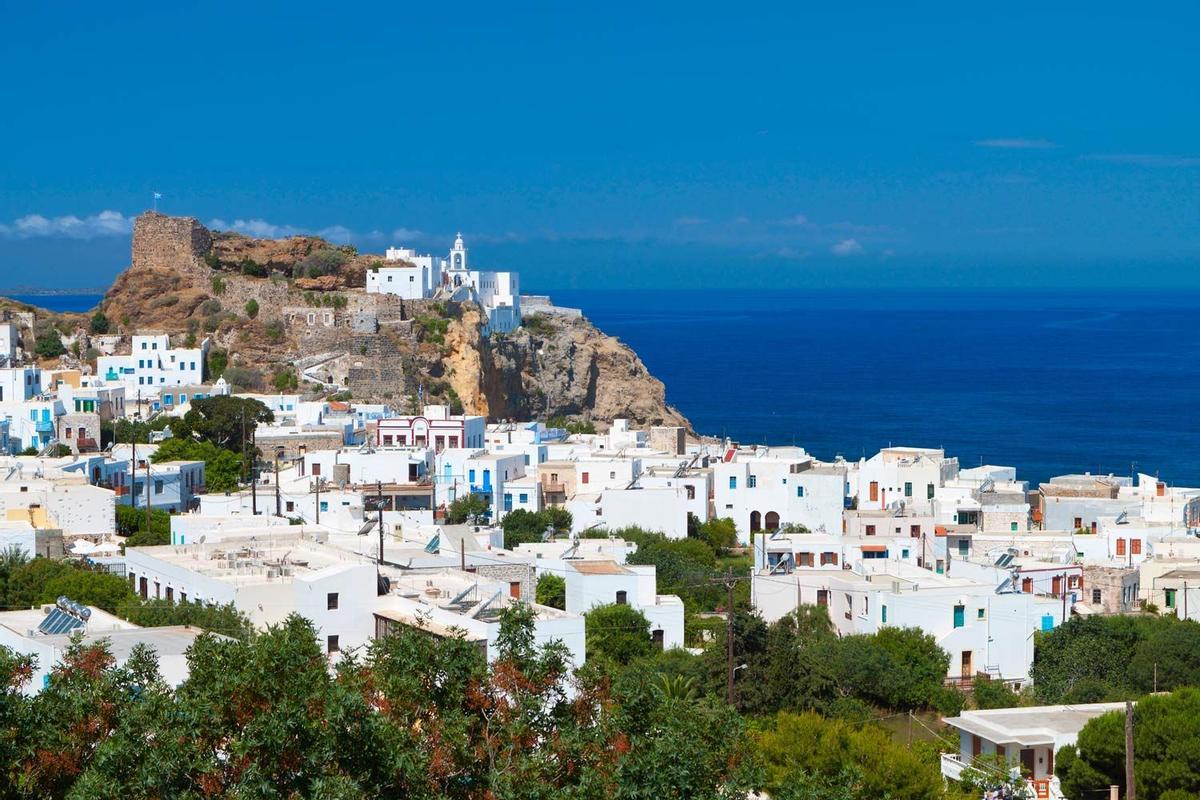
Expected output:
(939, 530)
(874, 548)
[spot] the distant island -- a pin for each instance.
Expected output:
(52, 291)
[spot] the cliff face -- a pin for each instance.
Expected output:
(192, 283)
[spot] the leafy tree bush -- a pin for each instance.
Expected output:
(253, 268)
(244, 378)
(218, 360)
(720, 533)
(285, 380)
(325, 261)
(993, 694)
(222, 467)
(223, 619)
(218, 285)
(538, 325)
(1166, 730)
(805, 754)
(49, 343)
(222, 420)
(552, 591)
(470, 507)
(251, 308)
(617, 632)
(131, 523)
(1091, 659)
(99, 323)
(410, 716)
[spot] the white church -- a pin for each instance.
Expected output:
(413, 277)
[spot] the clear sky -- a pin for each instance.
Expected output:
(648, 144)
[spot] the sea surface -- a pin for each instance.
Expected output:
(61, 302)
(1048, 381)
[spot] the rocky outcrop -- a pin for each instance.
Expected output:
(182, 282)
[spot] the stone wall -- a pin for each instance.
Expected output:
(175, 243)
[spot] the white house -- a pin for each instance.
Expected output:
(153, 363)
(769, 488)
(267, 578)
(436, 427)
(1027, 738)
(598, 582)
(910, 475)
(46, 632)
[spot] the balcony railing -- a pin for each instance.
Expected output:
(554, 488)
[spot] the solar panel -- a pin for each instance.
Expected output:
(434, 544)
(59, 621)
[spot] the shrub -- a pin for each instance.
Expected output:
(99, 323)
(252, 268)
(49, 343)
(285, 380)
(252, 308)
(218, 285)
(244, 378)
(321, 262)
(537, 325)
(274, 330)
(210, 306)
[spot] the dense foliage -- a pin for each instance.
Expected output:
(413, 716)
(470, 507)
(222, 467)
(1166, 746)
(1094, 659)
(617, 633)
(224, 420)
(521, 526)
(552, 591)
(132, 522)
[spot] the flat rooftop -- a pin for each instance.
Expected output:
(1033, 726)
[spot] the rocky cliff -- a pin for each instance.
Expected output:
(292, 310)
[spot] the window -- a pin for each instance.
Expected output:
(324, 505)
(1096, 596)
(960, 616)
(291, 506)
(981, 613)
(332, 644)
(1120, 547)
(1078, 523)
(908, 488)
(514, 589)
(612, 476)
(870, 530)
(158, 486)
(1012, 526)
(874, 491)
(621, 598)
(830, 559)
(883, 609)
(1135, 545)
(170, 595)
(523, 498)
(929, 491)
(732, 481)
(1168, 596)
(799, 491)
(752, 482)
(471, 476)
(914, 531)
(331, 601)
(904, 553)
(583, 477)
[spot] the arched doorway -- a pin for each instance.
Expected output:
(772, 521)
(755, 522)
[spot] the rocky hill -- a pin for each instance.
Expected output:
(292, 312)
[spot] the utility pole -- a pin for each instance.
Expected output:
(253, 492)
(1185, 608)
(278, 504)
(133, 457)
(318, 482)
(1130, 784)
(379, 506)
(148, 495)
(1064, 597)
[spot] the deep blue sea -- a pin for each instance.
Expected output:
(61, 302)
(1048, 381)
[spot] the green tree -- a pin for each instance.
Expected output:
(470, 507)
(251, 308)
(222, 468)
(99, 589)
(222, 619)
(990, 693)
(1166, 734)
(522, 525)
(1088, 659)
(222, 420)
(218, 360)
(617, 632)
(720, 533)
(829, 751)
(49, 343)
(552, 591)
(99, 323)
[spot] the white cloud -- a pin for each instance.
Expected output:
(847, 247)
(690, 221)
(404, 234)
(796, 220)
(106, 223)
(262, 229)
(1017, 144)
(1147, 159)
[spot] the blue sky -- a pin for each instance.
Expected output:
(621, 145)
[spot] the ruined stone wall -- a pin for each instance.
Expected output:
(175, 243)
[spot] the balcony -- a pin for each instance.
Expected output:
(44, 426)
(485, 488)
(554, 488)
(953, 766)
